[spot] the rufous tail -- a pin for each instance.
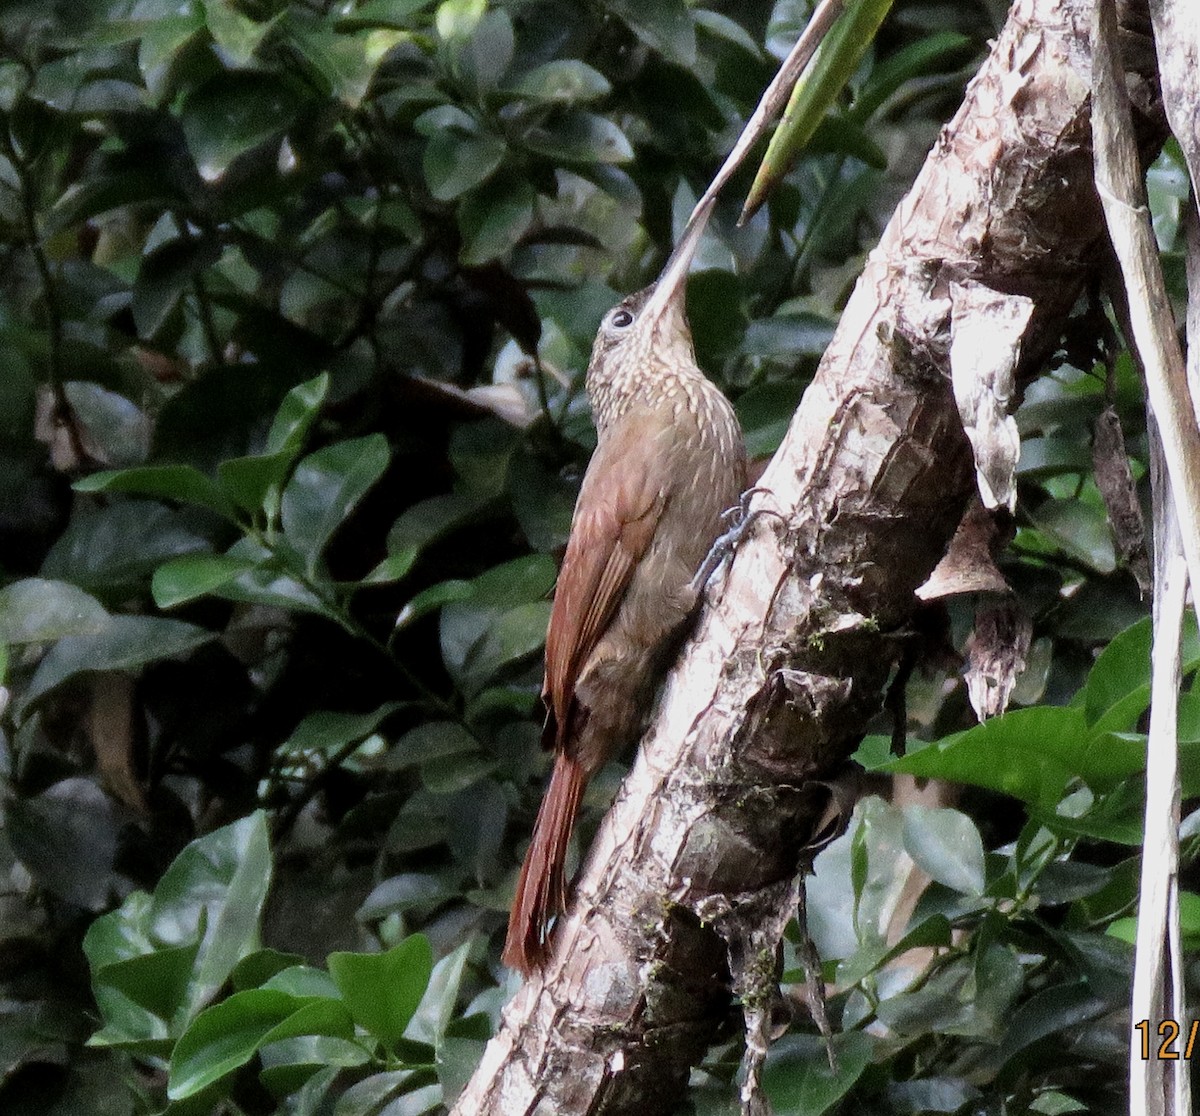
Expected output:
(542, 888)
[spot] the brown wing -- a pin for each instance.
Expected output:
(618, 512)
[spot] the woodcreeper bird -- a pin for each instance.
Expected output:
(669, 461)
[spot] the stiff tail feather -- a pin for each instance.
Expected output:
(542, 888)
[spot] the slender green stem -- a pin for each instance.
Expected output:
(816, 221)
(203, 302)
(354, 628)
(311, 786)
(63, 411)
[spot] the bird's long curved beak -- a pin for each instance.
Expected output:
(673, 279)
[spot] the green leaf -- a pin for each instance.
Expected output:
(458, 156)
(183, 483)
(1118, 686)
(248, 480)
(169, 953)
(304, 982)
(256, 968)
(511, 637)
(402, 893)
(383, 990)
(115, 427)
(296, 415)
(396, 14)
(502, 623)
(580, 137)
(120, 934)
(167, 274)
(665, 25)
(156, 981)
(787, 336)
(1050, 1014)
(562, 81)
(722, 27)
(327, 1017)
(232, 113)
(1081, 529)
(493, 219)
(765, 412)
(482, 59)
(459, 1054)
(389, 1093)
(844, 920)
(798, 1079)
(429, 741)
(393, 568)
(914, 61)
(325, 732)
(543, 501)
(453, 773)
(129, 1027)
(480, 453)
(38, 610)
(195, 575)
(841, 135)
(818, 88)
(162, 42)
(1029, 753)
(223, 1037)
(67, 838)
(238, 36)
(347, 62)
(219, 882)
(457, 19)
(1053, 455)
(124, 643)
(932, 931)
(431, 599)
(428, 520)
(325, 488)
(302, 1069)
(946, 845)
(270, 583)
(437, 1005)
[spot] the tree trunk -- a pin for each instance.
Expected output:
(695, 870)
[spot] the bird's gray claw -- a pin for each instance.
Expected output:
(740, 519)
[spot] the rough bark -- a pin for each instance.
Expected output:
(695, 869)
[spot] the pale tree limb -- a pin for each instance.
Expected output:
(1156, 1087)
(1177, 41)
(699, 857)
(1119, 180)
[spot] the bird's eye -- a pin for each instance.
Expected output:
(621, 319)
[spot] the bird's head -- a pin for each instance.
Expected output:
(648, 328)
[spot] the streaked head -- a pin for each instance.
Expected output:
(649, 323)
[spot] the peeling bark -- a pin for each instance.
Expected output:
(706, 838)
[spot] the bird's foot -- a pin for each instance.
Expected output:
(737, 522)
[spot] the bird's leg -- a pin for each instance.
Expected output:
(737, 522)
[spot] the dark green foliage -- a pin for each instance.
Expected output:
(295, 304)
